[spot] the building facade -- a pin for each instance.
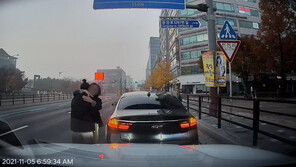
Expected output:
(114, 80)
(154, 52)
(185, 46)
(7, 61)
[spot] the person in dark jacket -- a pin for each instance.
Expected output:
(85, 108)
(84, 85)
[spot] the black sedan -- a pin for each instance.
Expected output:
(144, 117)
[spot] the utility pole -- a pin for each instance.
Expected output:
(212, 47)
(209, 8)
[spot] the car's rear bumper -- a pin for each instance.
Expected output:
(189, 137)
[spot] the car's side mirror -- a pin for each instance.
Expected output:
(7, 134)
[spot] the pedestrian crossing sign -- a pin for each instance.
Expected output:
(227, 32)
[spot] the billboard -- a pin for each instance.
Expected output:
(220, 66)
(208, 67)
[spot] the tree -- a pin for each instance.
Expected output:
(277, 34)
(11, 80)
(52, 84)
(248, 60)
(161, 76)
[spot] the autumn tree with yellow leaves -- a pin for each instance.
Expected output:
(160, 77)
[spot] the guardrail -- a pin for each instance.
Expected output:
(196, 102)
(12, 99)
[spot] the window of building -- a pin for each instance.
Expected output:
(185, 56)
(188, 12)
(248, 24)
(189, 70)
(226, 7)
(220, 21)
(194, 54)
(191, 55)
(194, 70)
(185, 41)
(194, 39)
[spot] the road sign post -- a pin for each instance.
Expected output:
(230, 80)
(229, 46)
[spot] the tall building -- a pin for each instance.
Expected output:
(6, 60)
(185, 46)
(154, 52)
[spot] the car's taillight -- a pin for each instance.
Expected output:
(113, 123)
(186, 124)
(123, 126)
(192, 121)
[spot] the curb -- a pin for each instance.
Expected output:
(215, 134)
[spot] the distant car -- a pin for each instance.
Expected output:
(144, 117)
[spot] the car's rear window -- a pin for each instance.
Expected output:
(153, 102)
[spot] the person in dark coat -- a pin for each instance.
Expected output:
(85, 108)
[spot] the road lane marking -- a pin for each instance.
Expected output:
(280, 131)
(14, 130)
(37, 109)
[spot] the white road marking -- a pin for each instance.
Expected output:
(280, 131)
(14, 130)
(37, 109)
(263, 124)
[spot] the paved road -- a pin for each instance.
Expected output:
(48, 122)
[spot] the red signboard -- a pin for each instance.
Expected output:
(99, 76)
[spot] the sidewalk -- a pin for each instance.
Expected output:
(232, 134)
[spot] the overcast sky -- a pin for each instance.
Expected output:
(68, 35)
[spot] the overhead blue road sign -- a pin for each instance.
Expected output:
(156, 4)
(227, 32)
(179, 24)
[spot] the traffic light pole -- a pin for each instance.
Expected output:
(209, 8)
